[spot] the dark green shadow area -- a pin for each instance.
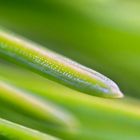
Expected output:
(3, 138)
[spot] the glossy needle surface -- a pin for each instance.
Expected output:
(56, 67)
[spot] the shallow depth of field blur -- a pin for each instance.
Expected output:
(101, 34)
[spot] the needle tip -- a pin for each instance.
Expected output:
(120, 94)
(117, 93)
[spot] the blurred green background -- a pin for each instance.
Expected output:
(101, 34)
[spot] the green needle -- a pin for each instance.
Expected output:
(56, 67)
(36, 108)
(14, 131)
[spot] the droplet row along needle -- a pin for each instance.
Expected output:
(56, 67)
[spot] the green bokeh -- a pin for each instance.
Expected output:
(101, 34)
